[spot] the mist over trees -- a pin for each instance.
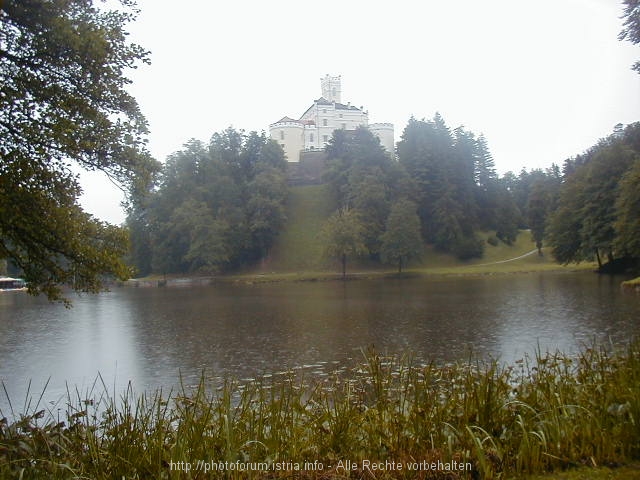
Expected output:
(456, 187)
(447, 177)
(217, 206)
(221, 205)
(363, 177)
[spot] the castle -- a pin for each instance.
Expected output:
(312, 131)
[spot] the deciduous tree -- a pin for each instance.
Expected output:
(63, 102)
(401, 242)
(344, 236)
(627, 224)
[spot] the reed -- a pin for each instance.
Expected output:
(541, 414)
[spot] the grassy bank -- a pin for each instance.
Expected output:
(383, 419)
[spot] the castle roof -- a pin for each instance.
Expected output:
(287, 119)
(341, 106)
(338, 106)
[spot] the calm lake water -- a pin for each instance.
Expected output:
(151, 336)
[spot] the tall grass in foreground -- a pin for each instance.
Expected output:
(547, 413)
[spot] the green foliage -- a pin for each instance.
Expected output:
(425, 151)
(485, 169)
(362, 176)
(401, 242)
(595, 214)
(467, 248)
(540, 203)
(627, 207)
(64, 103)
(217, 206)
(631, 30)
(343, 234)
(457, 189)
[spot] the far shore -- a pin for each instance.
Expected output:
(260, 277)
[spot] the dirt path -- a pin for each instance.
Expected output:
(535, 250)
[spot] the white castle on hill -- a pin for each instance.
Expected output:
(312, 131)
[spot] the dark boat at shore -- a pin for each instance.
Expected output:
(8, 283)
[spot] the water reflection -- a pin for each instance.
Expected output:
(152, 336)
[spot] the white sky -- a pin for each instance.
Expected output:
(542, 80)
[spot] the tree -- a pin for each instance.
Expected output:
(631, 30)
(442, 165)
(343, 235)
(565, 224)
(485, 168)
(362, 176)
(507, 216)
(217, 206)
(64, 103)
(595, 212)
(540, 202)
(401, 242)
(627, 224)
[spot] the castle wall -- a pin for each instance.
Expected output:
(385, 132)
(327, 118)
(290, 136)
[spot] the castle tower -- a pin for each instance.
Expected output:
(384, 131)
(331, 88)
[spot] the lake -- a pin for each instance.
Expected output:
(154, 336)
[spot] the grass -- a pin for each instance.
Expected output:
(552, 413)
(298, 247)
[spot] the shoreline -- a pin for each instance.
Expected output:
(175, 280)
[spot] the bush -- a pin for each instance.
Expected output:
(468, 247)
(493, 241)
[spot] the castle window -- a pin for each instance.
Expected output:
(282, 145)
(324, 122)
(281, 134)
(340, 115)
(311, 137)
(325, 138)
(344, 126)
(324, 110)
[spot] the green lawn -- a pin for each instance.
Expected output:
(298, 248)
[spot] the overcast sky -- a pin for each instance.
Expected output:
(542, 80)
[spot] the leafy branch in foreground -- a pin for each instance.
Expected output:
(64, 104)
